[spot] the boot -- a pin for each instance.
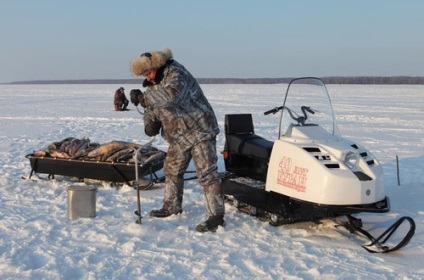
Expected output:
(124, 106)
(162, 213)
(211, 224)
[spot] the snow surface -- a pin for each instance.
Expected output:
(38, 241)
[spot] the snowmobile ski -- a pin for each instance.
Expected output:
(377, 245)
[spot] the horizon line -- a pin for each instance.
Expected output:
(327, 80)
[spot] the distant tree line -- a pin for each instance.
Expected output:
(378, 80)
(390, 80)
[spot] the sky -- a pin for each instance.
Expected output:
(97, 39)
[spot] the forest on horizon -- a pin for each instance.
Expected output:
(390, 80)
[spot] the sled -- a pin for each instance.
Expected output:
(310, 172)
(115, 172)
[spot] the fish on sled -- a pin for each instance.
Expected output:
(115, 161)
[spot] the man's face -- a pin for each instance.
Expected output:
(150, 75)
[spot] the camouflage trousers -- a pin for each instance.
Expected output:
(205, 160)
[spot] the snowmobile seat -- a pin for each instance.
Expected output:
(241, 138)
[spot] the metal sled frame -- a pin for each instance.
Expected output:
(100, 170)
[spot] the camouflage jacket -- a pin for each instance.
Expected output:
(178, 103)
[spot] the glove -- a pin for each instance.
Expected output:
(153, 128)
(142, 101)
(135, 96)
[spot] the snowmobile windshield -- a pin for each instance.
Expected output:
(307, 103)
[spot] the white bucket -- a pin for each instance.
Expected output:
(81, 202)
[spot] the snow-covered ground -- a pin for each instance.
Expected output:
(38, 241)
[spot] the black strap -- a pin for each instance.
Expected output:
(355, 226)
(121, 174)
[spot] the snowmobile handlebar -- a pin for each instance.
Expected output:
(308, 109)
(273, 111)
(300, 119)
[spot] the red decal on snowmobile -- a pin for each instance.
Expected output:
(294, 178)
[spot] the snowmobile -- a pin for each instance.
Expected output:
(310, 172)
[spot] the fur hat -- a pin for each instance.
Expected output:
(150, 60)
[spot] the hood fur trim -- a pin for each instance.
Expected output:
(149, 61)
